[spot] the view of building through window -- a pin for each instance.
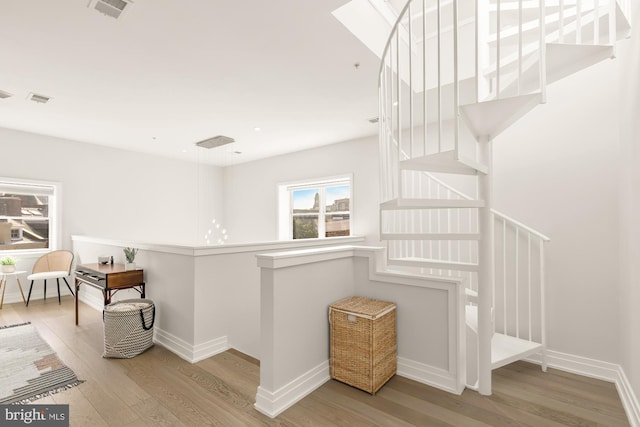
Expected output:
(322, 211)
(24, 216)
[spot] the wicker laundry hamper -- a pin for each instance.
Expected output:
(363, 349)
(128, 327)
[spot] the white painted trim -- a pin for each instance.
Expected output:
(429, 375)
(179, 347)
(598, 369)
(274, 403)
(578, 365)
(209, 348)
(628, 398)
(231, 248)
(55, 220)
(303, 256)
(186, 351)
(376, 264)
(92, 297)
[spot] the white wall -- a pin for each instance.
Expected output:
(297, 288)
(169, 281)
(629, 95)
(113, 193)
(252, 188)
(557, 171)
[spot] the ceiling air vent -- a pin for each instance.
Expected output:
(42, 99)
(216, 141)
(112, 8)
(4, 94)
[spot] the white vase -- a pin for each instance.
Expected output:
(8, 268)
(129, 266)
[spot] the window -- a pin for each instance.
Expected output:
(316, 209)
(27, 215)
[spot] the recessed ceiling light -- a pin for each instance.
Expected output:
(257, 129)
(237, 152)
(4, 95)
(184, 151)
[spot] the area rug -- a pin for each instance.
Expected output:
(29, 368)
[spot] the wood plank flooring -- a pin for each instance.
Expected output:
(158, 388)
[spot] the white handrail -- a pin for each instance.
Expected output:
(393, 32)
(521, 225)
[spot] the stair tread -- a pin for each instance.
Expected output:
(430, 236)
(434, 263)
(564, 59)
(490, 118)
(534, 24)
(446, 162)
(505, 349)
(400, 204)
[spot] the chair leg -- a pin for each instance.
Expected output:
(58, 283)
(29, 297)
(70, 290)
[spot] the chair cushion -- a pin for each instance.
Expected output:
(48, 275)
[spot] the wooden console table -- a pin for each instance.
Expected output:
(109, 278)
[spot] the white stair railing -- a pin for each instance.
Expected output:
(519, 253)
(425, 77)
(426, 82)
(519, 288)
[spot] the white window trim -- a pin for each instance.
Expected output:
(55, 222)
(285, 202)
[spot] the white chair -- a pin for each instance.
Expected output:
(53, 265)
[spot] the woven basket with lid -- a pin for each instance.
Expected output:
(363, 342)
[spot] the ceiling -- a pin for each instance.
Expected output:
(170, 73)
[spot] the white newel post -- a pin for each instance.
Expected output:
(486, 273)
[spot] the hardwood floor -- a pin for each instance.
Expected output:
(157, 388)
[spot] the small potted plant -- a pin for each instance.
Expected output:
(8, 264)
(130, 255)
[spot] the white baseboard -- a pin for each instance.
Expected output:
(578, 365)
(186, 351)
(598, 369)
(209, 348)
(429, 375)
(92, 299)
(628, 398)
(274, 403)
(190, 353)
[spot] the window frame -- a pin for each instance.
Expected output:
(55, 214)
(285, 204)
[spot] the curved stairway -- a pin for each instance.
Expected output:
(454, 75)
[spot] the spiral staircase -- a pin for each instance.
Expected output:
(454, 75)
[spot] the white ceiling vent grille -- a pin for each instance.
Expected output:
(4, 94)
(42, 99)
(216, 141)
(112, 8)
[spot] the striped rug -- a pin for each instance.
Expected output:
(29, 368)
